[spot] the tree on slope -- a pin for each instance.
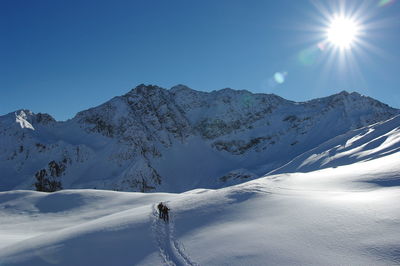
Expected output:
(49, 180)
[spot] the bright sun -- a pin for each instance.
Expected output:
(342, 32)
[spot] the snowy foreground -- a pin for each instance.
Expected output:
(348, 215)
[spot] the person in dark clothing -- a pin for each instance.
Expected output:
(160, 207)
(165, 210)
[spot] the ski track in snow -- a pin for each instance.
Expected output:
(171, 251)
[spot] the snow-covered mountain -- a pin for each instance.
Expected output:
(333, 204)
(346, 215)
(154, 139)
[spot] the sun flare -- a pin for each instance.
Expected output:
(342, 32)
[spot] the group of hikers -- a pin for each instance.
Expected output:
(163, 212)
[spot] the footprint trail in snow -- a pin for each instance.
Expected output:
(171, 251)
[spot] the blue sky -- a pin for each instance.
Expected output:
(61, 57)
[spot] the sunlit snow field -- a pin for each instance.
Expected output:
(338, 216)
(344, 214)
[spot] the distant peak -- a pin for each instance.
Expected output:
(142, 88)
(26, 118)
(227, 89)
(22, 117)
(179, 87)
(346, 93)
(44, 118)
(24, 112)
(339, 96)
(224, 90)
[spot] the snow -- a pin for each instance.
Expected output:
(154, 139)
(367, 143)
(345, 215)
(21, 119)
(335, 203)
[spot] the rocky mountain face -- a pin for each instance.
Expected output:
(154, 139)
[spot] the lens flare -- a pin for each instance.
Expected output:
(277, 79)
(309, 56)
(280, 77)
(385, 2)
(321, 46)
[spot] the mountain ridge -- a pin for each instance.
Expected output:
(155, 139)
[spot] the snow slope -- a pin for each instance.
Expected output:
(363, 144)
(154, 139)
(346, 215)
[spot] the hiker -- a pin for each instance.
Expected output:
(160, 207)
(165, 210)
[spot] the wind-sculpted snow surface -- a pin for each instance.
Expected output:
(334, 216)
(363, 144)
(153, 139)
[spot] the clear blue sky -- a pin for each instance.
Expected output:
(61, 57)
